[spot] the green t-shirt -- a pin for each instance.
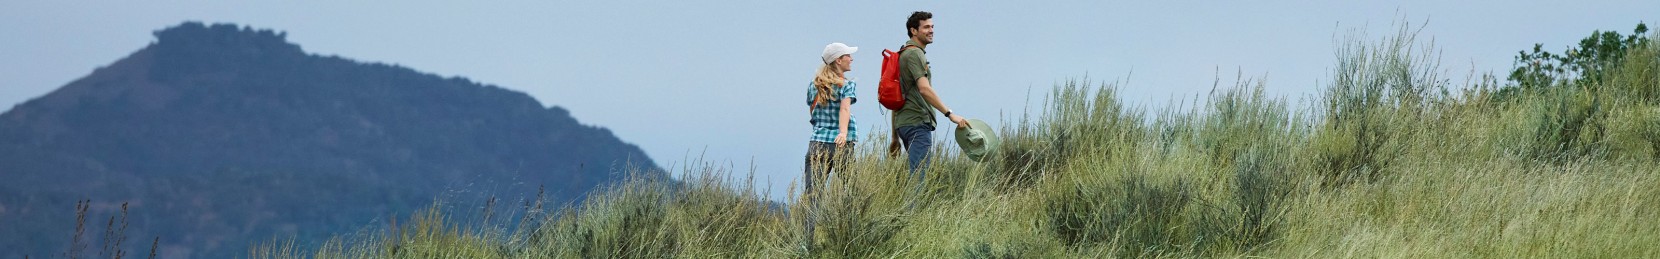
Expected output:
(913, 64)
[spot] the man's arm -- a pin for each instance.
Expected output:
(927, 90)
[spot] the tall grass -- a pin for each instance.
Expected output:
(1390, 161)
(110, 244)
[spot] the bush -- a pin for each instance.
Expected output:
(1261, 187)
(983, 250)
(1027, 155)
(1564, 124)
(1376, 93)
(1138, 216)
(1583, 65)
(722, 217)
(854, 228)
(1077, 122)
(1242, 119)
(631, 221)
(1634, 132)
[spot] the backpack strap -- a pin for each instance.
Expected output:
(908, 46)
(901, 54)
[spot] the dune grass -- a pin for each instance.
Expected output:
(1391, 160)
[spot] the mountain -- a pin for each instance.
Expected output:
(218, 136)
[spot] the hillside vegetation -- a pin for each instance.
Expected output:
(1391, 159)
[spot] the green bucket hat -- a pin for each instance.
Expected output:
(978, 140)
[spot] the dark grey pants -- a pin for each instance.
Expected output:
(822, 159)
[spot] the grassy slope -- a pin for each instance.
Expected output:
(1391, 162)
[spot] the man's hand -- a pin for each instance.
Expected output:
(895, 148)
(841, 138)
(959, 120)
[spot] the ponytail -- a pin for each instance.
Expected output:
(826, 82)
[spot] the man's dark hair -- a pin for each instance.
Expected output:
(916, 21)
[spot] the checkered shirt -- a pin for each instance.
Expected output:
(826, 114)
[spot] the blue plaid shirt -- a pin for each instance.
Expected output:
(827, 114)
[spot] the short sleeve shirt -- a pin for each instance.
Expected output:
(825, 115)
(913, 64)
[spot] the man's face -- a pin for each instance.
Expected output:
(925, 31)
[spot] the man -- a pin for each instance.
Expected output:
(914, 123)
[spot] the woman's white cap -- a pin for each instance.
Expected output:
(835, 50)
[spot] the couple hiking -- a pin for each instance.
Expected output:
(906, 89)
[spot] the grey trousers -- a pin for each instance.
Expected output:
(822, 159)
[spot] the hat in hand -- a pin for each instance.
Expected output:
(978, 140)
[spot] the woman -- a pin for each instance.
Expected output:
(830, 98)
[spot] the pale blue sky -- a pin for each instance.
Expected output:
(726, 80)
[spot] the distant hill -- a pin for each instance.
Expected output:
(221, 136)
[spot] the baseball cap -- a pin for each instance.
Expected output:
(836, 50)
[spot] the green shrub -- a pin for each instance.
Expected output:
(853, 227)
(1376, 93)
(1637, 76)
(1586, 65)
(1140, 217)
(1081, 119)
(982, 250)
(720, 217)
(1261, 187)
(1242, 119)
(1027, 155)
(1565, 124)
(629, 221)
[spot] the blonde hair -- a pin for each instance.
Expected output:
(826, 80)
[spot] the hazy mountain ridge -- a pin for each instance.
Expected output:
(220, 136)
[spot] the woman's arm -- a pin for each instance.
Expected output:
(846, 112)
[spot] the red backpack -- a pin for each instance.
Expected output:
(888, 90)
